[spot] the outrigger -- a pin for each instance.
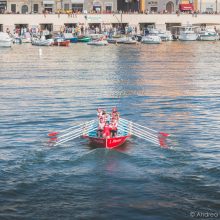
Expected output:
(125, 130)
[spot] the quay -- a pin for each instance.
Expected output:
(54, 22)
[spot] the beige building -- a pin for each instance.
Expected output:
(106, 6)
(53, 6)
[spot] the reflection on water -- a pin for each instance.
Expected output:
(172, 87)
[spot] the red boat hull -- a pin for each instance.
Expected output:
(109, 143)
(65, 43)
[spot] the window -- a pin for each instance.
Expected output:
(153, 9)
(3, 6)
(13, 8)
(97, 8)
(35, 8)
(77, 7)
(66, 7)
(24, 9)
(108, 8)
(48, 7)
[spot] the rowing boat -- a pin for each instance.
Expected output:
(125, 130)
(109, 143)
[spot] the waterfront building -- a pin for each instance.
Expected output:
(208, 6)
(158, 6)
(58, 6)
(107, 6)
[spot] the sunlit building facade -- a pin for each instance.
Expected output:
(108, 6)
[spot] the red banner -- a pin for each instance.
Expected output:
(186, 7)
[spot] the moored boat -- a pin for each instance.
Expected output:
(61, 42)
(42, 42)
(188, 33)
(69, 36)
(84, 39)
(208, 35)
(151, 39)
(5, 40)
(100, 42)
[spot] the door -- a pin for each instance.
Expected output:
(170, 7)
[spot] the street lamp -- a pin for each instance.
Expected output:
(216, 6)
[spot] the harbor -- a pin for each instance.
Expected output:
(109, 115)
(171, 87)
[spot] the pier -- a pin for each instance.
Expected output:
(56, 21)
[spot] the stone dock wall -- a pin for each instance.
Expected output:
(161, 21)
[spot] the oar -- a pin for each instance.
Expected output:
(146, 133)
(55, 133)
(61, 141)
(72, 132)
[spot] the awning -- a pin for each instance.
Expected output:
(108, 4)
(77, 1)
(98, 4)
(48, 2)
(186, 7)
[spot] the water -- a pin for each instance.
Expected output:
(173, 87)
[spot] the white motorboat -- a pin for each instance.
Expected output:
(98, 42)
(164, 35)
(127, 40)
(42, 42)
(118, 40)
(5, 40)
(151, 39)
(122, 40)
(188, 33)
(208, 35)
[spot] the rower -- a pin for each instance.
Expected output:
(106, 131)
(114, 127)
(99, 112)
(100, 127)
(115, 114)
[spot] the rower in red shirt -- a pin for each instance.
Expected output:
(106, 131)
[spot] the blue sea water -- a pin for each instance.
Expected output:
(172, 87)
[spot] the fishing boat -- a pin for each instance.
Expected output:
(125, 130)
